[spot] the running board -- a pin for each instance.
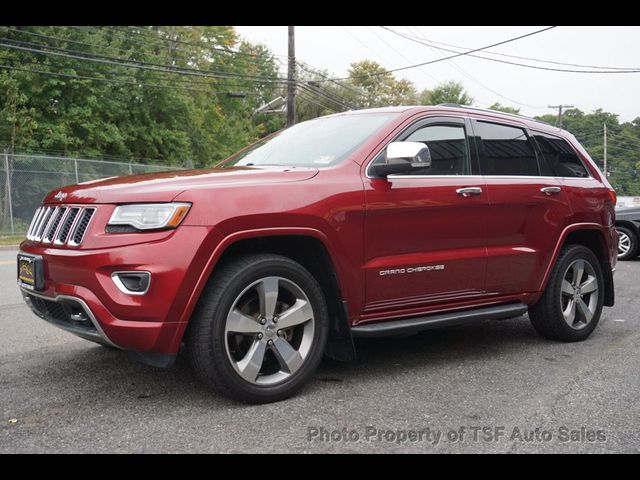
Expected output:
(412, 325)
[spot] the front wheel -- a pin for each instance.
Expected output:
(260, 329)
(571, 305)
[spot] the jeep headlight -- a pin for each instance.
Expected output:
(148, 216)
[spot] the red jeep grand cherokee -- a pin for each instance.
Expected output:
(361, 224)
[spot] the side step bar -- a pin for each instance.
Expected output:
(412, 325)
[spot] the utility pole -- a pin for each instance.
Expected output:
(291, 79)
(560, 108)
(605, 150)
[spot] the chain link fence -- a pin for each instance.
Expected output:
(26, 179)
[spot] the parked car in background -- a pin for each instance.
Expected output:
(361, 224)
(628, 226)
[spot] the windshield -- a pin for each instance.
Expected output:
(321, 142)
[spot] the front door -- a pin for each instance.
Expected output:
(425, 232)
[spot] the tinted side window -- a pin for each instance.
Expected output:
(559, 159)
(448, 147)
(506, 150)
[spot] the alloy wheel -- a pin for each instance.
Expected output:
(579, 294)
(624, 244)
(269, 331)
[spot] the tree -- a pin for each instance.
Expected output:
(503, 108)
(78, 107)
(446, 92)
(380, 87)
(318, 94)
(623, 144)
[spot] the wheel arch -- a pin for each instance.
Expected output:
(592, 236)
(304, 245)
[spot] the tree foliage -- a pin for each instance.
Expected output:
(623, 144)
(446, 92)
(136, 106)
(88, 108)
(380, 87)
(498, 107)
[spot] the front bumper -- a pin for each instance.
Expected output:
(68, 313)
(80, 296)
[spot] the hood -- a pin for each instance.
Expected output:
(165, 186)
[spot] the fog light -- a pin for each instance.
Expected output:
(132, 283)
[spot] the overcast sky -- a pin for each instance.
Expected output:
(334, 48)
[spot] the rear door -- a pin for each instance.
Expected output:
(425, 237)
(528, 208)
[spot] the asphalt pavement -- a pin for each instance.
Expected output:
(495, 386)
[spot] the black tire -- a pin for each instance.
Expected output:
(546, 315)
(634, 244)
(205, 338)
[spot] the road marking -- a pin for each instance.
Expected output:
(10, 262)
(620, 320)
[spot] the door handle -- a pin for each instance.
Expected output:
(468, 191)
(551, 190)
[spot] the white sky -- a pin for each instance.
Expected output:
(334, 47)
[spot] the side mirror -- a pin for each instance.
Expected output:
(403, 157)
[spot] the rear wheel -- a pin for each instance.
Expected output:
(260, 329)
(571, 304)
(628, 243)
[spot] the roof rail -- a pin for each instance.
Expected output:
(456, 105)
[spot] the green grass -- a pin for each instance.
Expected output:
(11, 239)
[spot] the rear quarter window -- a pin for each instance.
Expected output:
(558, 159)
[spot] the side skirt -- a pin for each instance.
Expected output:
(412, 325)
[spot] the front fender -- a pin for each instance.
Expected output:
(222, 243)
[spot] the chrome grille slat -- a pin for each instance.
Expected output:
(33, 223)
(55, 224)
(69, 222)
(44, 221)
(61, 225)
(50, 222)
(37, 224)
(81, 227)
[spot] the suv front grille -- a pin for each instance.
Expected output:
(62, 225)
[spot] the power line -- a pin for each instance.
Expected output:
(145, 32)
(521, 57)
(217, 73)
(183, 81)
(474, 79)
(316, 71)
(376, 54)
(306, 97)
(401, 54)
(74, 54)
(109, 47)
(122, 82)
(155, 67)
(324, 95)
(536, 67)
(458, 54)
